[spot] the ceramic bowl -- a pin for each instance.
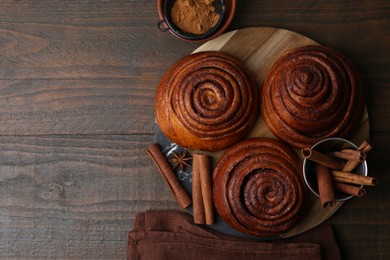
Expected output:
(325, 146)
(226, 9)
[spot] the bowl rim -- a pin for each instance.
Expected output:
(305, 161)
(189, 36)
(229, 13)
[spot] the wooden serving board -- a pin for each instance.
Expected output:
(258, 48)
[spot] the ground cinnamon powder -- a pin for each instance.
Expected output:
(194, 16)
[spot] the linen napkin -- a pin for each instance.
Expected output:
(168, 234)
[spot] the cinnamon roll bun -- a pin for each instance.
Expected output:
(258, 187)
(311, 93)
(206, 101)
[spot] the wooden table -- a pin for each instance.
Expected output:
(77, 82)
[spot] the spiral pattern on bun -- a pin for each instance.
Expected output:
(206, 101)
(258, 187)
(311, 93)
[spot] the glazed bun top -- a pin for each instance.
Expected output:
(311, 93)
(206, 101)
(258, 187)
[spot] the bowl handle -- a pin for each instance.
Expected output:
(161, 27)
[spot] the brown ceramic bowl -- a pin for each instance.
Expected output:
(230, 8)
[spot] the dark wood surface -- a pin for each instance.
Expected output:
(77, 82)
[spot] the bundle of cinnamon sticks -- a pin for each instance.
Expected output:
(335, 172)
(202, 200)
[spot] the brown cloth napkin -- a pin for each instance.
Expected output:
(172, 234)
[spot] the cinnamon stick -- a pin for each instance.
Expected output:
(202, 164)
(350, 189)
(364, 147)
(322, 159)
(197, 200)
(349, 154)
(170, 178)
(325, 186)
(352, 178)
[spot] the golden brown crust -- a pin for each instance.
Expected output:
(311, 93)
(258, 187)
(206, 101)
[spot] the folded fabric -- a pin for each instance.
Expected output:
(173, 235)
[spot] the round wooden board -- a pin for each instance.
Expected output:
(258, 48)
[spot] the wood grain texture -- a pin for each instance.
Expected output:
(78, 40)
(96, 106)
(74, 197)
(80, 68)
(77, 82)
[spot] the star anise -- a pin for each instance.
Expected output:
(180, 160)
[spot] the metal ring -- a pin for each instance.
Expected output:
(162, 29)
